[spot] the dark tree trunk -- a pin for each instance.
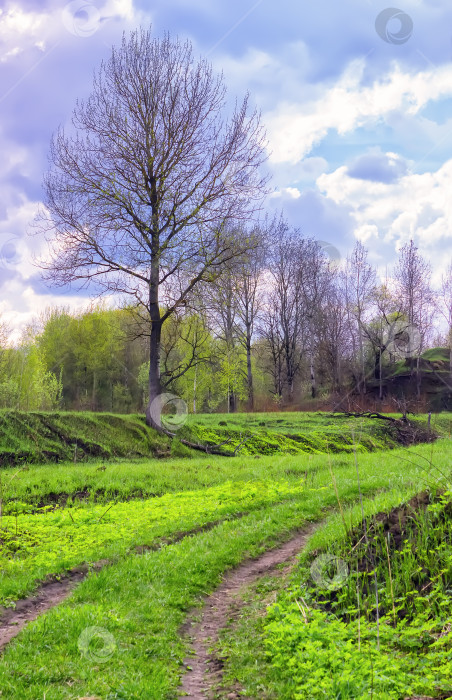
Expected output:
(155, 389)
(93, 399)
(249, 371)
(313, 381)
(377, 363)
(418, 377)
(153, 410)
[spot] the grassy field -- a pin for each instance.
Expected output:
(167, 529)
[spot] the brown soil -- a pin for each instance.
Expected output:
(204, 669)
(398, 519)
(50, 593)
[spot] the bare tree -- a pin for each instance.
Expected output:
(380, 331)
(221, 306)
(144, 186)
(445, 307)
(412, 277)
(250, 300)
(273, 342)
(359, 282)
(286, 298)
(333, 330)
(313, 273)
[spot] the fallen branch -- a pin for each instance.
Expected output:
(245, 440)
(208, 449)
(370, 414)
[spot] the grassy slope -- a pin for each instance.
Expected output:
(37, 437)
(144, 616)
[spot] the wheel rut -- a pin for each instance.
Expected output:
(204, 669)
(58, 588)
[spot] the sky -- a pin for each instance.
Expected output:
(356, 98)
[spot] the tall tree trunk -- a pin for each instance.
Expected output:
(377, 363)
(311, 366)
(93, 398)
(153, 411)
(289, 371)
(312, 372)
(194, 388)
(155, 388)
(450, 353)
(380, 374)
(418, 377)
(363, 369)
(249, 371)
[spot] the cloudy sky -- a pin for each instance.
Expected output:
(356, 98)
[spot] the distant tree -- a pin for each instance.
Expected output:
(283, 317)
(314, 273)
(221, 307)
(145, 185)
(380, 330)
(359, 280)
(333, 330)
(234, 302)
(272, 350)
(445, 306)
(413, 287)
(249, 279)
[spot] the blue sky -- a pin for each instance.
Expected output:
(356, 98)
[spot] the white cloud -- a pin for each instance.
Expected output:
(286, 193)
(20, 29)
(294, 128)
(417, 206)
(20, 305)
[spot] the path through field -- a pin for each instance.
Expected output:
(204, 669)
(49, 594)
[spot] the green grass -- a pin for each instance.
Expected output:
(42, 437)
(144, 616)
(39, 437)
(277, 654)
(141, 600)
(436, 355)
(103, 481)
(48, 541)
(35, 546)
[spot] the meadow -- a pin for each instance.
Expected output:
(153, 535)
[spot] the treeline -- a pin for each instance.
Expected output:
(283, 323)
